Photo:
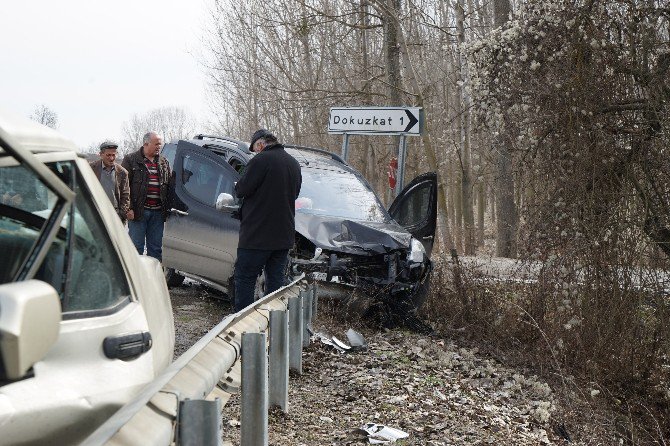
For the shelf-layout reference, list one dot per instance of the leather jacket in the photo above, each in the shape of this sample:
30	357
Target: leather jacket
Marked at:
121	188
138	177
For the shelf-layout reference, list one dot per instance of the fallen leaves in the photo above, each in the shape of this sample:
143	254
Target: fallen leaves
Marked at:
437	392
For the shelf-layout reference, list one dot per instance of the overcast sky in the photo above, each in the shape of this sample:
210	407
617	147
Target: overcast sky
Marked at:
97	63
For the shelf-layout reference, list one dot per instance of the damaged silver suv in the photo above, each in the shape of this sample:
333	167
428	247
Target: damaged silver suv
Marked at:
344	235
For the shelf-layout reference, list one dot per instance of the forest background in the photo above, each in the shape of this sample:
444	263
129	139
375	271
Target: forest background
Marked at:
547	122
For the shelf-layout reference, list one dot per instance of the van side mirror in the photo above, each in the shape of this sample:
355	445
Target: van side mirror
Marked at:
225	202
30	315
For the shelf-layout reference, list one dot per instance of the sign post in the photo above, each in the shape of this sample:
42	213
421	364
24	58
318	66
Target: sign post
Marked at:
345	146
402	153
376	121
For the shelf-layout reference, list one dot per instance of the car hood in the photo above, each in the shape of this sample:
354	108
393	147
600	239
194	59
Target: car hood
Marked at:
352	236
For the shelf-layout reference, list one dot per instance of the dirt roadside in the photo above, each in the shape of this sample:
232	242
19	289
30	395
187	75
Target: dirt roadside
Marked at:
438	392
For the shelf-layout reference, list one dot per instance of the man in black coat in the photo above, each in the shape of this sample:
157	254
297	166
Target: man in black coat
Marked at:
269	187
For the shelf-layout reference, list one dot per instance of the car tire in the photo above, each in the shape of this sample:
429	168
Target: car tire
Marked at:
173	278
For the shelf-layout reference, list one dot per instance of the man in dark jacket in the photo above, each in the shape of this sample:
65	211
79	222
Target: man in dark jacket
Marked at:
269	187
113	177
149	177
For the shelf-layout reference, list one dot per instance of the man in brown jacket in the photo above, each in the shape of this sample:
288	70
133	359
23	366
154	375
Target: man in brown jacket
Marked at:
113	177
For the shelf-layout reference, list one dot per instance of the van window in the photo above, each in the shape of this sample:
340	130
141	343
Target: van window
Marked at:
81	264
169	151
415	208
204	180
25	205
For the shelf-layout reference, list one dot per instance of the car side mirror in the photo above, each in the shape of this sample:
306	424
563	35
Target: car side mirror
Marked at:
30	315
225	202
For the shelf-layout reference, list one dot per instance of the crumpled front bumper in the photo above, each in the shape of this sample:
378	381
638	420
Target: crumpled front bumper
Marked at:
385	275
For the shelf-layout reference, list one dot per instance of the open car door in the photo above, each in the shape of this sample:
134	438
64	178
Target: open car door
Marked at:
199	239
415	208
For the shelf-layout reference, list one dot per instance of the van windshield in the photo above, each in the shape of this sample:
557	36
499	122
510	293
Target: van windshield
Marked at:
337	193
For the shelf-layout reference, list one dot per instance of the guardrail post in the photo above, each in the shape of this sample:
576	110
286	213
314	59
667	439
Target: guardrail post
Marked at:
278	352
306	316
200	422
315	300
254	404
295	334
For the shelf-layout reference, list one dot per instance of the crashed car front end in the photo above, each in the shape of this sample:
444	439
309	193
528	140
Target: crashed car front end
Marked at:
382	260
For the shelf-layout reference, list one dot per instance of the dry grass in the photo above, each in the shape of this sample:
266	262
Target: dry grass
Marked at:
604	342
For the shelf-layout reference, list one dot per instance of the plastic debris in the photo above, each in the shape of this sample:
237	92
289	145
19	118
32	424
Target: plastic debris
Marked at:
333	342
380	434
355	339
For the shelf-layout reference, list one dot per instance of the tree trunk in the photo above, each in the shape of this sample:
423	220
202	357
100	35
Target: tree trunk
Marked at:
481	209
458	207
392	51
427	142
507	215
309	71
465	149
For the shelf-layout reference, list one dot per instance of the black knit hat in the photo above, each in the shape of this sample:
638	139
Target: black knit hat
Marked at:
258	134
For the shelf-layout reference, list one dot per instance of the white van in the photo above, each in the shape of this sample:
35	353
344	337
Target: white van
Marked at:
85	322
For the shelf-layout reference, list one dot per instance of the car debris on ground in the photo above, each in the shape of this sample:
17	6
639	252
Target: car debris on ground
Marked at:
380	434
431	387
356	341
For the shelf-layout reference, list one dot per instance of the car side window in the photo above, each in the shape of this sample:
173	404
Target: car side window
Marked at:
204	179
169	151
236	164
414	209
25	205
82	264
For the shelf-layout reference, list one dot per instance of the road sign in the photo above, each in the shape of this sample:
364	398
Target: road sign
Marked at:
376	120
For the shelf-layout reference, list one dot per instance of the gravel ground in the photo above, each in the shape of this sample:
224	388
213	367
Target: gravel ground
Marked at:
438	392
196	310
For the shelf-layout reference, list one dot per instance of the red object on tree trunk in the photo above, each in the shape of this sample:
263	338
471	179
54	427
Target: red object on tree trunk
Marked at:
392	170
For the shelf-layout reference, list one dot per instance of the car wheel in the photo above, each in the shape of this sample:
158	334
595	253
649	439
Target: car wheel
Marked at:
172	277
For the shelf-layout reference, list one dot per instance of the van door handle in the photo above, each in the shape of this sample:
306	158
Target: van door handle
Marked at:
178	212
127	346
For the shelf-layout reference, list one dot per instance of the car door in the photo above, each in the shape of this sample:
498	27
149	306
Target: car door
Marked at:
415	208
198	239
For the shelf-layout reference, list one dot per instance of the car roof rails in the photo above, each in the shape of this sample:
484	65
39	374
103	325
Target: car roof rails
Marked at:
216	138
319	151
239	144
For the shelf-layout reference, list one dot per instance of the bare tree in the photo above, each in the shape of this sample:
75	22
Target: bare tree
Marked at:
284	64
172	123
465	151
507	214
45	116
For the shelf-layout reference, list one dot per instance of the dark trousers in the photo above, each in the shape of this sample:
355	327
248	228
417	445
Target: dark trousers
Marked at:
150	228
250	264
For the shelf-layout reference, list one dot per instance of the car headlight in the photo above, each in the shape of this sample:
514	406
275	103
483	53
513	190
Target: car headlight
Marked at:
417	251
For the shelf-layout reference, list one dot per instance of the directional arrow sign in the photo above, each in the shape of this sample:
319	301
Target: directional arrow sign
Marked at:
376	120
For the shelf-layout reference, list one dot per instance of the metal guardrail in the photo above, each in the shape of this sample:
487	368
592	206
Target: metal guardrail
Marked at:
212	370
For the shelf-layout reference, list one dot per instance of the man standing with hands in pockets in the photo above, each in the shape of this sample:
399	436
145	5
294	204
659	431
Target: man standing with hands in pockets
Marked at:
113	177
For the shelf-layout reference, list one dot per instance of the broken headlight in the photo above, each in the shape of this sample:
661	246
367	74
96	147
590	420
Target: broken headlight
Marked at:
417	252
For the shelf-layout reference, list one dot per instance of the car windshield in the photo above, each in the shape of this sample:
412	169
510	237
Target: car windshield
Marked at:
337	193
